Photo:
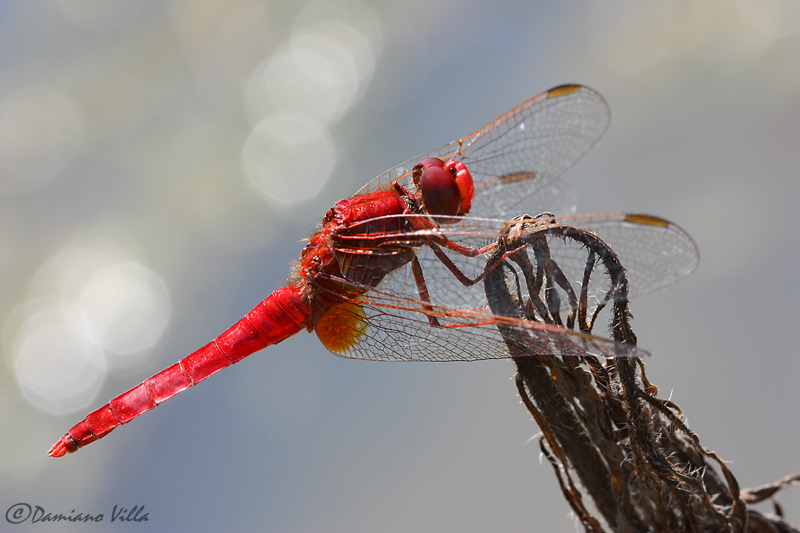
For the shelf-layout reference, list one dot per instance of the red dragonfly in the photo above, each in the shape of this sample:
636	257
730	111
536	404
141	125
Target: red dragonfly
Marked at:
393	272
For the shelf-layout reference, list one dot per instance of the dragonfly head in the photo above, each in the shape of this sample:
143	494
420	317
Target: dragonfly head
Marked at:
446	188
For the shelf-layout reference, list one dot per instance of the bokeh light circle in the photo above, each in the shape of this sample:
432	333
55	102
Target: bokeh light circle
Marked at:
90	309
126	309
289	157
58	367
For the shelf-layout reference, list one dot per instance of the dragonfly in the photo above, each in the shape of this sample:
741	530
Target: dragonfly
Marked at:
393	273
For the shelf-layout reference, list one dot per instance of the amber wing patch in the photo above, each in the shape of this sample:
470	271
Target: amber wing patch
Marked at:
341	326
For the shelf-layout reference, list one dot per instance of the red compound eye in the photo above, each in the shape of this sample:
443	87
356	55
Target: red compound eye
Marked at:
447	188
440	191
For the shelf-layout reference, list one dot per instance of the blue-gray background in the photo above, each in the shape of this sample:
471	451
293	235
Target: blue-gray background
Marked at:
132	142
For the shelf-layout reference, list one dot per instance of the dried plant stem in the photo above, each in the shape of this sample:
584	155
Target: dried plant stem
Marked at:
604	430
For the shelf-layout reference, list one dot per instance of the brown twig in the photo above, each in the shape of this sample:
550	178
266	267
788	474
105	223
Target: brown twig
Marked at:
601	420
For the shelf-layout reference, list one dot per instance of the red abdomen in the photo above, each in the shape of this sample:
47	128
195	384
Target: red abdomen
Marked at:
284	313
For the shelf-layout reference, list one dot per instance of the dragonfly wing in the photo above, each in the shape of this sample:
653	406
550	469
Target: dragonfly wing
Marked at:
394	328
654	252
516	160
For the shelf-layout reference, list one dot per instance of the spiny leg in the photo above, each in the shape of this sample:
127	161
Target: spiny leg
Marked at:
467	282
422	289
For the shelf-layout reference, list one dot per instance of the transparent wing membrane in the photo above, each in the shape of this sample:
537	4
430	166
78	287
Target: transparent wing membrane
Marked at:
516	160
454	323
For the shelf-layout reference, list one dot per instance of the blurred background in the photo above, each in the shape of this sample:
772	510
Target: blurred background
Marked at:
161	162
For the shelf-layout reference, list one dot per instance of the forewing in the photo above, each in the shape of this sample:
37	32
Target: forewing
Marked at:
516	160
654	252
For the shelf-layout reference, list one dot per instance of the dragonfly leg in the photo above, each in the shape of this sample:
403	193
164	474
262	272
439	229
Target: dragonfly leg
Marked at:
467	282
465	250
422	288
423	224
